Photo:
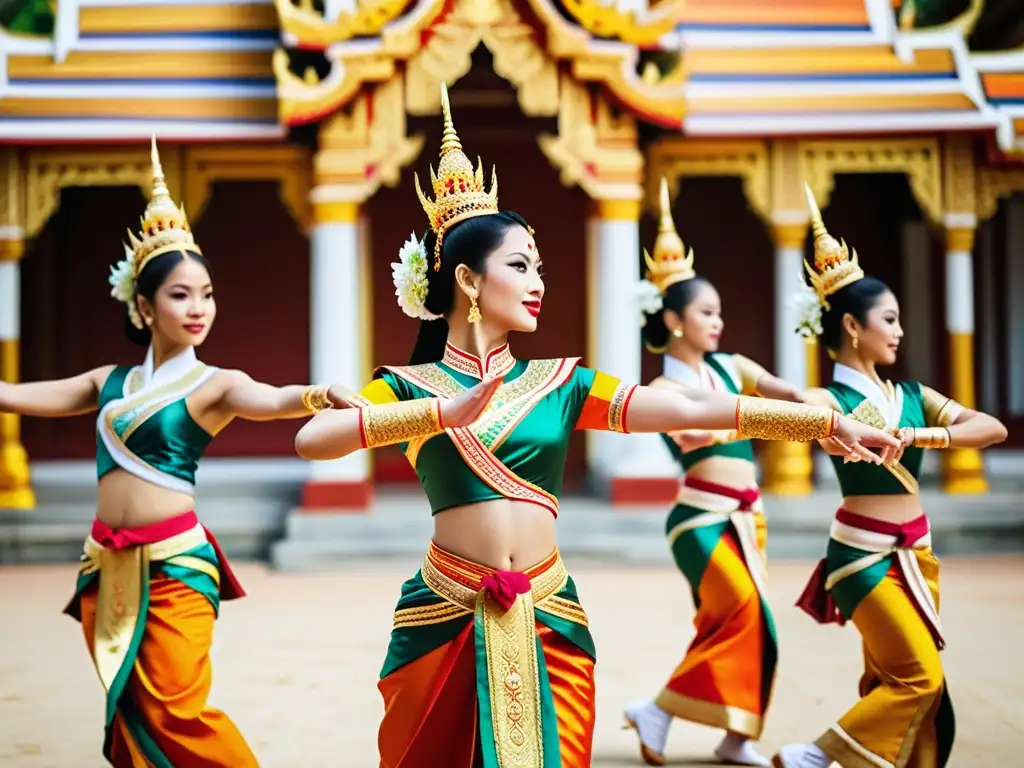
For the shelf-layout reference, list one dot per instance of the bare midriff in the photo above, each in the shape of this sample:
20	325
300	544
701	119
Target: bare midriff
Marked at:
126	501
723	470
503	534
892	508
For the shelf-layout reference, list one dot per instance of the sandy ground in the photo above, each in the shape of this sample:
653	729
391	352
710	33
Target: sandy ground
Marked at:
296	663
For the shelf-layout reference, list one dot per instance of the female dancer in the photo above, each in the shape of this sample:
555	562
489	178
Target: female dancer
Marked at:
717	528
152	576
490	661
879	571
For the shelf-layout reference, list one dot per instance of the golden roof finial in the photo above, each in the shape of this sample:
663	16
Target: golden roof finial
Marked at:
834	267
671	263
459	192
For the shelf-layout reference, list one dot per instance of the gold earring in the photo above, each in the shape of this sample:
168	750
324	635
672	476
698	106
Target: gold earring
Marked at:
474	311
677	333
856	341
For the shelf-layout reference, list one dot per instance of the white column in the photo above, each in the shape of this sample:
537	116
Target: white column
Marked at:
788	468
963	469
624	465
337	343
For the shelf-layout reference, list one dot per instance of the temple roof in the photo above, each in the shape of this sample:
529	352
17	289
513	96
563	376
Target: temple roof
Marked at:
205	69
113	69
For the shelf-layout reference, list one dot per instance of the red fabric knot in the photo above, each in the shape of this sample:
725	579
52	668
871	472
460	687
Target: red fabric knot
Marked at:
503	586
747	498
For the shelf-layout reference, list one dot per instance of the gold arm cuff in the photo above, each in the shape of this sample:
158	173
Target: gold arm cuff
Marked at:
777	420
750	372
931	437
314	398
400	422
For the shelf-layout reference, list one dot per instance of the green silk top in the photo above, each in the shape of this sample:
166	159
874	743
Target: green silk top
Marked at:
518	448
887	406
144	426
719	371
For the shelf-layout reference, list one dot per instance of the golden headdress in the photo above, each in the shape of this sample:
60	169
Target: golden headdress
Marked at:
458	192
834	267
164	226
671	263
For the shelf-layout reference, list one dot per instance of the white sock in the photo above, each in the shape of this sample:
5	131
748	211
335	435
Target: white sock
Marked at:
652	723
804	756
739	750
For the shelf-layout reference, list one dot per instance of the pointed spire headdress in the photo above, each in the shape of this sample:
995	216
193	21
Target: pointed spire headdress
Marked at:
671	263
164	228
834	266
459	192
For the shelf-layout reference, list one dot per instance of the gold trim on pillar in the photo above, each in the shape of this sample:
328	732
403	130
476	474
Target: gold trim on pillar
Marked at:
335	212
617	210
960	239
15	478
963	471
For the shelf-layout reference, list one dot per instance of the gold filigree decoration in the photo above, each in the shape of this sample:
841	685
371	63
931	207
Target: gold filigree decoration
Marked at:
676	157
514	680
776	420
359	152
919	159
49	171
301	25
12	204
595	147
289	165
605	19
993	185
517	57
958	178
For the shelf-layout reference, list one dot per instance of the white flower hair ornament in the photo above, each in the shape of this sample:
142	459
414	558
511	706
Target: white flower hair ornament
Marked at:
410	277
808	310
648	297
122	281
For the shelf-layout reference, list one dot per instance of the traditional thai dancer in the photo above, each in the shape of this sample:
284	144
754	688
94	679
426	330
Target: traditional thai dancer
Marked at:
152	577
879	571
717	529
491	662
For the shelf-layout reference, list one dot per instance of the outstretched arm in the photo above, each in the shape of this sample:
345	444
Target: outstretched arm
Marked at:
63	397
388	421
657	410
245	398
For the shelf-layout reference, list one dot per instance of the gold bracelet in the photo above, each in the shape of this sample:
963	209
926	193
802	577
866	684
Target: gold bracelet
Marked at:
314	398
931	437
778	420
399	422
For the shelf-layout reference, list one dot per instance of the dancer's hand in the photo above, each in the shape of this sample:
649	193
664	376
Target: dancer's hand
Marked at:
857	437
463	410
343	397
692	439
906	437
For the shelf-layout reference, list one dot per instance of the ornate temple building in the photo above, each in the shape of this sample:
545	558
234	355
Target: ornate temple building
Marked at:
291	131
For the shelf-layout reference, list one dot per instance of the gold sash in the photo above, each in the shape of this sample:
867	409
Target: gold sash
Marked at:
123	575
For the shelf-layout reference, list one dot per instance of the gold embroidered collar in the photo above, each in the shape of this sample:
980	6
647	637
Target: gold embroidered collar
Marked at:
497	363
